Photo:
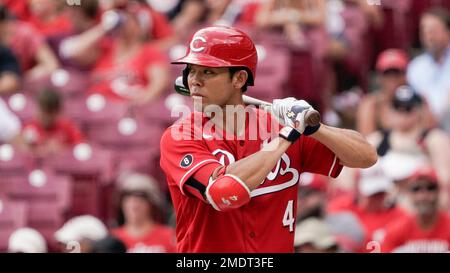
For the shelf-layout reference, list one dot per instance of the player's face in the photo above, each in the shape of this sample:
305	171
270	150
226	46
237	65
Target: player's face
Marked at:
210	86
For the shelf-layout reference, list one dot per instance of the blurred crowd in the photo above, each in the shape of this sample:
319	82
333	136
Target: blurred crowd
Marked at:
86	90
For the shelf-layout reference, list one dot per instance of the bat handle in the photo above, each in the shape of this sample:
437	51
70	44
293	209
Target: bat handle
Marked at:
312	117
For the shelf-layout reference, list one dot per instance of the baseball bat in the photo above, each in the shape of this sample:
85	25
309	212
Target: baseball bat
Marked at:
312	117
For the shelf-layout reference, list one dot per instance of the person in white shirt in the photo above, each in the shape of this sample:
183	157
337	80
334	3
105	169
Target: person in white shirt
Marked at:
9	123
429	72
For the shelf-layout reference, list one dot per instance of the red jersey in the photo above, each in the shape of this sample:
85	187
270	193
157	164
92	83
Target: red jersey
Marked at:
63	130
114	79
374	223
267	222
160	239
405	235
25	43
60	24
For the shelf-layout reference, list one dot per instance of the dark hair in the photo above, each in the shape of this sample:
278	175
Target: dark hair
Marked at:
109	244
49	101
90	8
233	70
441	13
4	14
155	211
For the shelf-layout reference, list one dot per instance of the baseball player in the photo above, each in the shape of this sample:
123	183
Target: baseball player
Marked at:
239	194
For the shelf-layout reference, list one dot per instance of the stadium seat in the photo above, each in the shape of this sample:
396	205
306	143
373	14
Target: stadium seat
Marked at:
22	105
88	173
13	163
93	111
13	215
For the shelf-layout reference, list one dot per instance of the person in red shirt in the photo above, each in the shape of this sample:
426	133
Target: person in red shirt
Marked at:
238	193
48	17
428	229
33	54
140	200
371	206
129	68
49	133
159	29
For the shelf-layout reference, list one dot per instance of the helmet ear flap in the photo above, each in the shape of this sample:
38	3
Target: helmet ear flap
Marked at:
185	77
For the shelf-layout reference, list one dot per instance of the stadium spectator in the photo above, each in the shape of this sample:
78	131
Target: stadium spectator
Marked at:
82	18
311	196
9	124
139	204
9	71
49	133
49	17
79	233
35	57
371	206
314	236
109	244
428	73
156	25
293	17
411	136
26	240
427	230
374	110
129	68
19	8
187	14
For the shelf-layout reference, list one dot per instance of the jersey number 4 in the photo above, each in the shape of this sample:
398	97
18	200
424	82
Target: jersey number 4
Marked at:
288	218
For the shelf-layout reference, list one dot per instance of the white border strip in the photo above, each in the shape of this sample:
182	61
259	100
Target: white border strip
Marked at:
332	166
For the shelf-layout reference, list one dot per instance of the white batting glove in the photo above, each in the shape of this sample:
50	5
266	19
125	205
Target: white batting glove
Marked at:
291	112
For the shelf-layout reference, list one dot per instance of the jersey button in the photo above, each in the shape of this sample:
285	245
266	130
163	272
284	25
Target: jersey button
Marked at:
252	234
241	142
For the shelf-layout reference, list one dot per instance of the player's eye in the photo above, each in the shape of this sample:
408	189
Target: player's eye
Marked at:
208	72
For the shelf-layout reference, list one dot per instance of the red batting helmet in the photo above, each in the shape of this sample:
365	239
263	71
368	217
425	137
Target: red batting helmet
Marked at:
220	46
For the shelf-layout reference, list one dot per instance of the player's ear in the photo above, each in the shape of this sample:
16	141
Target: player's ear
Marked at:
239	79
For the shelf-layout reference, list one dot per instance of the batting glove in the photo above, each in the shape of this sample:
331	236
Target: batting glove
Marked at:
291	112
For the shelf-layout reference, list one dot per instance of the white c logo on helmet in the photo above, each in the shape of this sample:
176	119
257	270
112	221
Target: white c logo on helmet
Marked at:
197	49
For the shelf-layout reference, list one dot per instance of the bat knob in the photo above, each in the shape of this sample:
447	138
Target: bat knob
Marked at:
312	117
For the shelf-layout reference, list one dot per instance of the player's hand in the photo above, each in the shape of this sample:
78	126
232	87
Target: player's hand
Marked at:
292	112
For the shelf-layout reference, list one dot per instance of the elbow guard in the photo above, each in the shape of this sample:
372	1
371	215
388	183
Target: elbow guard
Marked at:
227	192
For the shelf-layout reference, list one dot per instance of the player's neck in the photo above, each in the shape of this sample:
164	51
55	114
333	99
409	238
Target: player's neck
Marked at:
232	117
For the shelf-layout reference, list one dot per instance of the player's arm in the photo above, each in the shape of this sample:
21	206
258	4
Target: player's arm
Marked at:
349	146
253	169
229	187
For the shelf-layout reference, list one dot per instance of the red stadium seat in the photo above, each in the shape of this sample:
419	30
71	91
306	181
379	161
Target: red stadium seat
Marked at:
13	163
88	175
22	105
94	111
13	215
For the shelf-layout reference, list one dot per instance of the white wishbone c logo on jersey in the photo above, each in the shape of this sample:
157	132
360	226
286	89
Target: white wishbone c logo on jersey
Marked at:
280	170
196	44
